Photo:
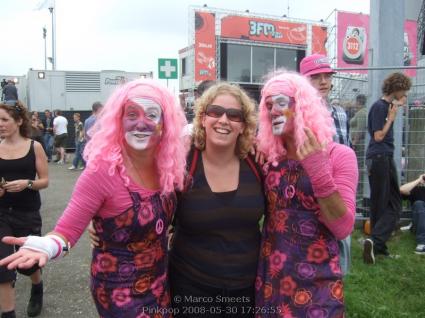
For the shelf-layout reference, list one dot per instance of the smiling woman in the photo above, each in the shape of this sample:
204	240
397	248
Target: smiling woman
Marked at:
214	251
136	160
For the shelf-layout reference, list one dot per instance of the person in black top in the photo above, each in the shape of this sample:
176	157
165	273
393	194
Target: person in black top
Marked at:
385	200
414	191
215	246
21	161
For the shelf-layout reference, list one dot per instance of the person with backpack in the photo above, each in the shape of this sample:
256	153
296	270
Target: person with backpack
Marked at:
310	185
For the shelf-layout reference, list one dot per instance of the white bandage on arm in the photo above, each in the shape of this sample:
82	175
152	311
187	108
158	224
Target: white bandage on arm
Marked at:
51	245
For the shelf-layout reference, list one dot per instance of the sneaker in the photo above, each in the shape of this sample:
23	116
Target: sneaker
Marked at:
36	300
60	162
81	168
72	168
368	255
420	249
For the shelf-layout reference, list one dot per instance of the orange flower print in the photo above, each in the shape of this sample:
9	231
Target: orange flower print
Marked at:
121	296
105	263
145	259
124	219
337	290
102	297
271	198
268	291
302	297
138	247
266	249
279	218
277	259
317	252
287	286
142	284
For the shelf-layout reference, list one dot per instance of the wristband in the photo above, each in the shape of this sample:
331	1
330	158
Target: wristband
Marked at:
51	245
318	168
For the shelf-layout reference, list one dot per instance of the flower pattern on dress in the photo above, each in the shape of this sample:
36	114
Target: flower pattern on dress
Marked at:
298	269
317	252
129	270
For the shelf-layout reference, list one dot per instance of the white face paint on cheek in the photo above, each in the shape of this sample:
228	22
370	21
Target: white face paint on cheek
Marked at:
280	105
142	128
278	125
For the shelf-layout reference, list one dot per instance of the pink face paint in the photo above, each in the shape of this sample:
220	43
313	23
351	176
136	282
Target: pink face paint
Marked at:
142	122
279	109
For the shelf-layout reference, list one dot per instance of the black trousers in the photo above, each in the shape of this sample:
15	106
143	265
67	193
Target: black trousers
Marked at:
192	299
385	200
17	223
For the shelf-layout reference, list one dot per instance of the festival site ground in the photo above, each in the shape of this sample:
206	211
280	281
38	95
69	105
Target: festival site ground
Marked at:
391	288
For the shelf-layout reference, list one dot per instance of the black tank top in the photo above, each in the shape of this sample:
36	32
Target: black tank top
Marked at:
21	168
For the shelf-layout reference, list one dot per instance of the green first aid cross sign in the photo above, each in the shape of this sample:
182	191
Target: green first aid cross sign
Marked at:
167	68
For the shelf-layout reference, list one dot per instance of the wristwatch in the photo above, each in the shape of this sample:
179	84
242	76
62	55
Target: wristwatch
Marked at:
30	184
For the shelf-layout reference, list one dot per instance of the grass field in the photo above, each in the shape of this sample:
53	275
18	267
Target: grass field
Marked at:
391	287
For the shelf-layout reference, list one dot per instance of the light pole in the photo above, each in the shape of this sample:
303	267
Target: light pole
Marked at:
45	47
52	12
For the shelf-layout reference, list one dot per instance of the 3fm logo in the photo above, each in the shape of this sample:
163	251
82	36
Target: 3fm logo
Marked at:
268	29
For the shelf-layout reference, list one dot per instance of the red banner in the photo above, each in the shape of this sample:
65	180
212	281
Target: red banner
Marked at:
264	30
205	47
320	36
352	37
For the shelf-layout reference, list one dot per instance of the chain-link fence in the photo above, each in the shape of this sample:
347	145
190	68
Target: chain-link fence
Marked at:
351	91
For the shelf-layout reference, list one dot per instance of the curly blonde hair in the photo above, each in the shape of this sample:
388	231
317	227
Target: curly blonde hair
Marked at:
246	139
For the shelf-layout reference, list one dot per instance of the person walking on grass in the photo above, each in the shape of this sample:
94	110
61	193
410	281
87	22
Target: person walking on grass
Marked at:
385	199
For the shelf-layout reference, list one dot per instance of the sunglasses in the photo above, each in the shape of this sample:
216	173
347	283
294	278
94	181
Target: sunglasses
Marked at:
232	114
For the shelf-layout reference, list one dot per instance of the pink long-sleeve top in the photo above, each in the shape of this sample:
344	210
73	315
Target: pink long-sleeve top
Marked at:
96	194
345	175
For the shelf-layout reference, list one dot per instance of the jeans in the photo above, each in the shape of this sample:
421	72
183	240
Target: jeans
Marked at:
385	200
345	254
418	220
48	144
79	148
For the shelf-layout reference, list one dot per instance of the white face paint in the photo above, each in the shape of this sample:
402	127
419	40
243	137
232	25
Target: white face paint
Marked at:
278	106
142	122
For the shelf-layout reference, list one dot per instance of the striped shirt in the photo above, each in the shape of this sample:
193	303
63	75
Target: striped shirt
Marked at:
217	237
341	125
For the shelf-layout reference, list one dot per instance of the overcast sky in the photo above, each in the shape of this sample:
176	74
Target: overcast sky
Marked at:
129	35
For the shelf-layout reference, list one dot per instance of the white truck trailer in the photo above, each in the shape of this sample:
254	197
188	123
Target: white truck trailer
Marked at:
73	90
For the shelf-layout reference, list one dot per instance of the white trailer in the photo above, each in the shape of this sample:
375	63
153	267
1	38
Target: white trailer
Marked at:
73	90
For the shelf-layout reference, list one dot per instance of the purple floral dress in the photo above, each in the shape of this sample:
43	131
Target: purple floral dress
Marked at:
299	273
129	269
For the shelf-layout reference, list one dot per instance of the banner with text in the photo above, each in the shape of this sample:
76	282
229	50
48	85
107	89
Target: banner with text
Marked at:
352	41
205	47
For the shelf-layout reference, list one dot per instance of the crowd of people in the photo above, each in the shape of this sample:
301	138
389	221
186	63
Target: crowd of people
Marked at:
201	217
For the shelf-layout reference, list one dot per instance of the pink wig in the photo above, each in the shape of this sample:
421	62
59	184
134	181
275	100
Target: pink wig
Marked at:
309	111
107	142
